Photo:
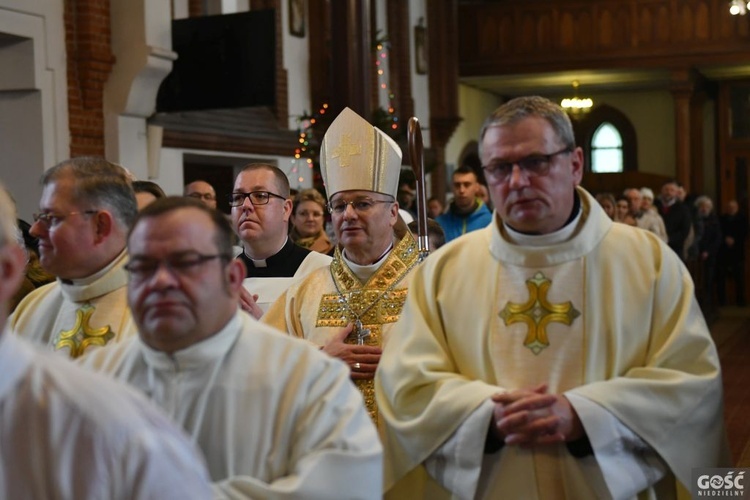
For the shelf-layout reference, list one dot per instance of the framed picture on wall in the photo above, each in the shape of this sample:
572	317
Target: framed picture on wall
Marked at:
297	18
420	48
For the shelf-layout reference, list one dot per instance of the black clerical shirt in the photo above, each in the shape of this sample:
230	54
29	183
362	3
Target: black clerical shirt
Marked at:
280	265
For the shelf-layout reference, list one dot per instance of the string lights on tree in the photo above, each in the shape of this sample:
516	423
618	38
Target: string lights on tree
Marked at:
304	154
386	119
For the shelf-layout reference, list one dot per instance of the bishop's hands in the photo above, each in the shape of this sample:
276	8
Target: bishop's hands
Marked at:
532	416
362	359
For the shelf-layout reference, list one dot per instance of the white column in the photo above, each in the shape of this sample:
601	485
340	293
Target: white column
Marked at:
142	44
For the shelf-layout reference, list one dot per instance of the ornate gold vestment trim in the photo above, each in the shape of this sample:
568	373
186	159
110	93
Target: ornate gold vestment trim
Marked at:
380	294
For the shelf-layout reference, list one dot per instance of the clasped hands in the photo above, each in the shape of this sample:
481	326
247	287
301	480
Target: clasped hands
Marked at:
527	417
362	359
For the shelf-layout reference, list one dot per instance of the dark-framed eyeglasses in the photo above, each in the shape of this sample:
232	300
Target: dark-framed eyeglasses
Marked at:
50	219
256	198
180	265
360	205
532	166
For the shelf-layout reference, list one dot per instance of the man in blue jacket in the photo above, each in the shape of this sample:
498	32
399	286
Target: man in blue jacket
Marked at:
466	212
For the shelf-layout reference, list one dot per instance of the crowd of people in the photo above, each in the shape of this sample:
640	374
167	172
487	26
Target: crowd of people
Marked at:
191	354
711	245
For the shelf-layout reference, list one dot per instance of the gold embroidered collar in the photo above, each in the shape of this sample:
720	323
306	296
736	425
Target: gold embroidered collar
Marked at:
403	257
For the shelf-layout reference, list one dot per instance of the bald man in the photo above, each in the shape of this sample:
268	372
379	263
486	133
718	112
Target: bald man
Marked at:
202	191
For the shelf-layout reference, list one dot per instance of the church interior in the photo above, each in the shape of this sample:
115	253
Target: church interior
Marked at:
179	90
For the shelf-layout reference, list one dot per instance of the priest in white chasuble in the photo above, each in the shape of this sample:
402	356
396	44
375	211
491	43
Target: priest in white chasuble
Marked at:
86	208
554	354
274	417
69	434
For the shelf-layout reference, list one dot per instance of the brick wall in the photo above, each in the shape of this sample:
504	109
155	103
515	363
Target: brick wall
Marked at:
90	60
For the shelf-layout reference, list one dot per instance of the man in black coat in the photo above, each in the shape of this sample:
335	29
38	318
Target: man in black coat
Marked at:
677	217
732	252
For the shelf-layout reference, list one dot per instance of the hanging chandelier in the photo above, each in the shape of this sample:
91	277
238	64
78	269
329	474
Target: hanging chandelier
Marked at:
575	104
738	7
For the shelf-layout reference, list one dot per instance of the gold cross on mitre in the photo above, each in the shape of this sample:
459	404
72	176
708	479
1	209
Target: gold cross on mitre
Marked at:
537	313
345	150
82	335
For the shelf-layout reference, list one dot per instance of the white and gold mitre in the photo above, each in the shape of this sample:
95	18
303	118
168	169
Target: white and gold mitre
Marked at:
357	156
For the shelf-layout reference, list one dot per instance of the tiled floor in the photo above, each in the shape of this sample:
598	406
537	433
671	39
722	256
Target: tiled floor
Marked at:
731	333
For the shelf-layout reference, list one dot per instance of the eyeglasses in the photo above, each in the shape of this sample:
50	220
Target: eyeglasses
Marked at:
532	166
256	198
203	196
49	219
360	205
182	264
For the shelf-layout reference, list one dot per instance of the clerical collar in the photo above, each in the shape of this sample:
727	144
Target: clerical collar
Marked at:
540	240
97	275
262	262
364	272
208	350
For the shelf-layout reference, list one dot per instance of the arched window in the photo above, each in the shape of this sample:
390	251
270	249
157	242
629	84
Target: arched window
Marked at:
606	149
608	140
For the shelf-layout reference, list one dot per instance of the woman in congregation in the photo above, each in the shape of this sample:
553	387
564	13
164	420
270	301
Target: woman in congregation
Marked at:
308	221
